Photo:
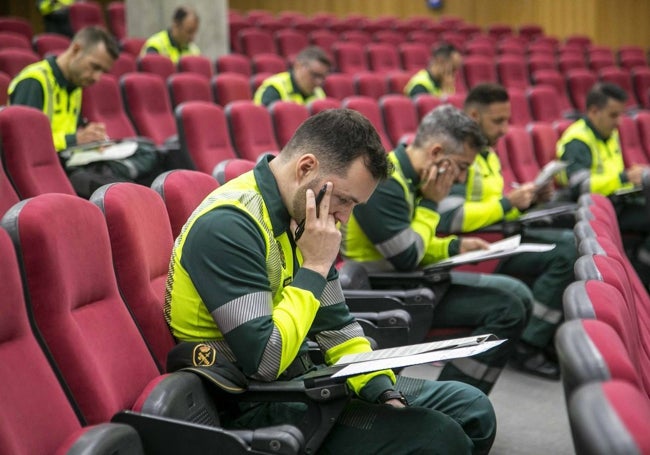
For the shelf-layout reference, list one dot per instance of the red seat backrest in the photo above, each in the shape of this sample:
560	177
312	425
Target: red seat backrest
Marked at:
400	118
185	87
287	117
251	129
102	102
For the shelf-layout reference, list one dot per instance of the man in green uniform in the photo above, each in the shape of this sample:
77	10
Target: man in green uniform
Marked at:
439	78
178	39
302	84
241	281
482	201
591	147
396	230
56	17
54	86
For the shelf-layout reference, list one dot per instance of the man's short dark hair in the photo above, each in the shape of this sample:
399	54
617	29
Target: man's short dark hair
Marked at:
482	95
602	92
312	53
337	137
448	124
181	13
444	50
90	37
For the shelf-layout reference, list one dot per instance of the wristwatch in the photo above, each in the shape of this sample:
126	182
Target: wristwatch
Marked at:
389	394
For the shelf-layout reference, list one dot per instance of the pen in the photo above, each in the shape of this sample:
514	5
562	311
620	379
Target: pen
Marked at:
301	226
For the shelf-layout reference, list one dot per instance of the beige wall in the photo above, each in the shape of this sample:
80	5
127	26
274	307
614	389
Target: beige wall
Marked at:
606	22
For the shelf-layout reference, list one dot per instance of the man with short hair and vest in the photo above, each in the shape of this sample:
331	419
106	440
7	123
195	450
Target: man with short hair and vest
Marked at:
244	281
439	78
56	16
177	40
54	85
483	200
301	84
396	231
591	147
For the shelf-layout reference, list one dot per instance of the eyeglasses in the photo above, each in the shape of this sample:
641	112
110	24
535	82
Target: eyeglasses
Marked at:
315	74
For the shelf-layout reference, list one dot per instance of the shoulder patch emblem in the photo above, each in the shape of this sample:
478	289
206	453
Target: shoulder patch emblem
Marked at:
203	355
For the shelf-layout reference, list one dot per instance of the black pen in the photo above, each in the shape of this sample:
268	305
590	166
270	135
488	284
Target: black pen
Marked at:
301	226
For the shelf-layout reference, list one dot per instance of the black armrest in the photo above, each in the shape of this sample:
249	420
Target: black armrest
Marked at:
388	328
107	439
165	436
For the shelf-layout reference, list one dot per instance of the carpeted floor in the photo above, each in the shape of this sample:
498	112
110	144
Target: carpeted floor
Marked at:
531	413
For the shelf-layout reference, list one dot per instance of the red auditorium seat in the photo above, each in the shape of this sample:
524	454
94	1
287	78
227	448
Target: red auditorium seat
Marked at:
306	25
198	64
324	39
157	64
397	81
509	177
188	87
512	72
5	80
642	120
353	21
116	18
499	30
511	46
544	140
289	18
323	18
148	106
132	45
102	102
415	56
234	63
469	31
571	61
12	61
478	69
173	187
141	243
233	168
8	195
251	130
235	25
481	48
50	43
257	79
555	79
339	85
256	15
543	45
641	83
289	42
319	105
582	41
425	37
561	125
387	36
382	58
369	107
11	40
370	84
521	155
520	114
228	87
18	25
381	23
530	31
30	160
203	134
400	118
349	57
631	147
455	99
631	56
356	36
579	82
84	14
425	103
268	63
609	418
543	102
538	62
287	117
620	77
270	25
26	428
253	41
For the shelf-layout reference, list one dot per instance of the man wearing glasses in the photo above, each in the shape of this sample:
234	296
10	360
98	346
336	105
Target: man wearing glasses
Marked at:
301	84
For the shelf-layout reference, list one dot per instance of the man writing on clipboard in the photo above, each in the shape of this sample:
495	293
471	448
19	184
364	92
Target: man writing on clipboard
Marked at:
482	200
54	85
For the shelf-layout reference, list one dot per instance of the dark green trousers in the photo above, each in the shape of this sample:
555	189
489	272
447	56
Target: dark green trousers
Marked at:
550	273
485	303
444	418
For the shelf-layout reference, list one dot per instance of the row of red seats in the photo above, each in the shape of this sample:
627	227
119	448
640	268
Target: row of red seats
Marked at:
603	345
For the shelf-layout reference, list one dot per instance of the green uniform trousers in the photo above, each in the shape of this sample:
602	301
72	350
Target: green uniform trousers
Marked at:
443	418
485	303
550	272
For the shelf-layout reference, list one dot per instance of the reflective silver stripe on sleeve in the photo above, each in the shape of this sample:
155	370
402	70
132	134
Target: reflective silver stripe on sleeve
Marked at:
400	243
581	179
477	370
242	310
332	294
269	367
449	204
328	339
546	314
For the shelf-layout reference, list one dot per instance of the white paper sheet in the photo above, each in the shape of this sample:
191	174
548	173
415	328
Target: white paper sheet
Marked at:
118	151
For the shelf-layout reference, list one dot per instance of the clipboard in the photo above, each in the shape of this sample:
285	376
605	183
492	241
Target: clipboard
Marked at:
100	151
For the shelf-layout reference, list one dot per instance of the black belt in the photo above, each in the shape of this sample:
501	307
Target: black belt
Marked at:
300	365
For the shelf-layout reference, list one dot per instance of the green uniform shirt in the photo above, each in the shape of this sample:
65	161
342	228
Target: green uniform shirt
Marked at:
283	86
236	282
42	85
596	164
422	82
396	228
478	202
